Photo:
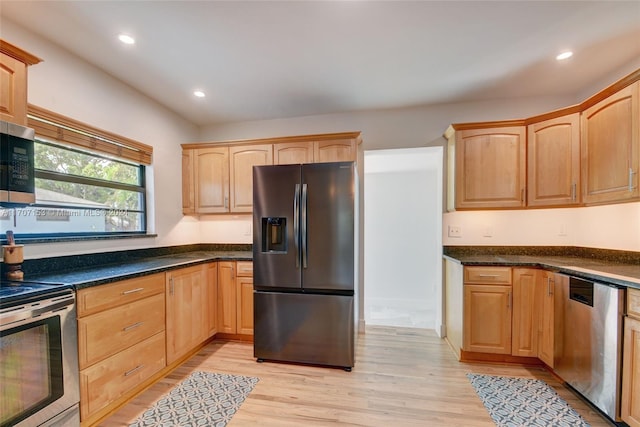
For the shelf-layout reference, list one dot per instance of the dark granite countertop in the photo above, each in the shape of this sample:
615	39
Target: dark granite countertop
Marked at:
112	272
608	271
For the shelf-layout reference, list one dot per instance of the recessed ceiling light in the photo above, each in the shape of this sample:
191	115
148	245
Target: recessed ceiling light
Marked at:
126	39
199	93
564	55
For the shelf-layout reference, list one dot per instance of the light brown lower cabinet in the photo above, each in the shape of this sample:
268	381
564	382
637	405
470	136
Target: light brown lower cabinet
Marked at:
630	407
235	298
187	307
546	308
107	381
121	341
244	295
525	317
487	319
500	311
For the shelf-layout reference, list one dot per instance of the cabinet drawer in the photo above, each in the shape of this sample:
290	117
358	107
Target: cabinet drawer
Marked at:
633	302
108	380
245	268
103	334
488	275
98	298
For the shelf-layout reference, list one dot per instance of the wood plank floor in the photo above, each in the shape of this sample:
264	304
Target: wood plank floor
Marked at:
402	377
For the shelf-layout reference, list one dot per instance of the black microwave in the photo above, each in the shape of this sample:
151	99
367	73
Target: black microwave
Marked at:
17	168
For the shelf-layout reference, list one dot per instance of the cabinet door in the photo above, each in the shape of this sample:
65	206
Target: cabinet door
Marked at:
212	180
188	184
227	297
610	146
13	86
212	298
244	305
546	337
187	321
338	150
291	153
524	338
554	162
490	168
487	319
243	158
630	407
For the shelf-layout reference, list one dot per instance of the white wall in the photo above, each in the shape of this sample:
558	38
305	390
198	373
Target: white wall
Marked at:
74	88
403	247
606	227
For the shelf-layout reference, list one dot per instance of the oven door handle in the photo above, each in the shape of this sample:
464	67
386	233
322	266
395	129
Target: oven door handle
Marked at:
43	310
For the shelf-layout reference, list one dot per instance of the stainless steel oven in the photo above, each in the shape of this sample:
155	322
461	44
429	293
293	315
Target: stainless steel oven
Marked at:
38	356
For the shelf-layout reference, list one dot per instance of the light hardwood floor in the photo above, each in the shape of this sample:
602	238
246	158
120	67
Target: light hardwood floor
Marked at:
402	377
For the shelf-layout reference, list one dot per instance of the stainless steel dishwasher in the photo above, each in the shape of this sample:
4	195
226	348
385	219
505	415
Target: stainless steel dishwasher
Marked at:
588	357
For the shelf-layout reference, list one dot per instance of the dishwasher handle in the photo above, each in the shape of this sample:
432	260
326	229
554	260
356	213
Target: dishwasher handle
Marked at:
581	291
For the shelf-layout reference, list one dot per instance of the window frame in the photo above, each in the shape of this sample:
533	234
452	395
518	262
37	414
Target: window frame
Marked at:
68	134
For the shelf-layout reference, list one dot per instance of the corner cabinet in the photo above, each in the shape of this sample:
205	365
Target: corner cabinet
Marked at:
490	167
525	317
611	147
217	178
554	162
13	82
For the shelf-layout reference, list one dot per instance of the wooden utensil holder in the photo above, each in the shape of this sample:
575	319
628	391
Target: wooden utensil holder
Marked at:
13	256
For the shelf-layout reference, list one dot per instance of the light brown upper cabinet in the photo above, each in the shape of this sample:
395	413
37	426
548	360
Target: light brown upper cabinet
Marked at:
13	82
291	153
217	177
211	180
585	154
554	162
490	166
337	150
242	160
188	183
610	147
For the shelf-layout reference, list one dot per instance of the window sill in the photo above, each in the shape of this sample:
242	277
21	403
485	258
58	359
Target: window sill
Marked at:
65	239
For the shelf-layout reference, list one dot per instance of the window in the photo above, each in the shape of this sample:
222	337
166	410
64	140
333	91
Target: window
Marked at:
88	182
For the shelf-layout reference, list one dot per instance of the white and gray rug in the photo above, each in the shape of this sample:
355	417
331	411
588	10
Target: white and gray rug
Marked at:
202	399
519	402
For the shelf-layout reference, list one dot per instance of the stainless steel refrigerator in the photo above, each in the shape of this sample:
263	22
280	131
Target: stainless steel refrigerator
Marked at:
304	225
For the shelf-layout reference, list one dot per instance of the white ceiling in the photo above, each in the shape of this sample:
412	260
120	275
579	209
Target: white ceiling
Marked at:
275	59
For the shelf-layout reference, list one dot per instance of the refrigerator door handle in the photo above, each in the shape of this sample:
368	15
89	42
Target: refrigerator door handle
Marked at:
296	223
304	226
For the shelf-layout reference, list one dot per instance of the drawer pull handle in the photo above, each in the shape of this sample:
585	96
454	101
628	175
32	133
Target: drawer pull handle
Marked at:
132	291
130	327
137	368
489	275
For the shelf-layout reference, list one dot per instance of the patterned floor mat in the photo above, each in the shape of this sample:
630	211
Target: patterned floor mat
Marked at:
524	402
203	399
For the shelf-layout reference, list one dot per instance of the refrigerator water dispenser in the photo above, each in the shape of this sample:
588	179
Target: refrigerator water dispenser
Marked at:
274	234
